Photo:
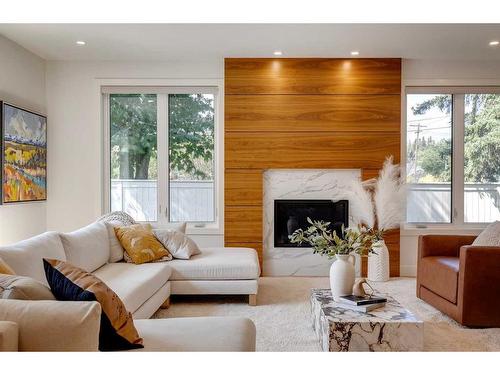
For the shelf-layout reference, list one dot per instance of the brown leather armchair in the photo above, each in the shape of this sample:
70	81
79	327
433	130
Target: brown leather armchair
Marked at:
461	280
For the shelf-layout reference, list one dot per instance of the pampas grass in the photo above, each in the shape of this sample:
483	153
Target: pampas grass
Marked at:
360	200
389	196
381	198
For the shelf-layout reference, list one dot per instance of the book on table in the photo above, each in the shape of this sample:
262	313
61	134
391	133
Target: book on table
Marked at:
361	308
361	301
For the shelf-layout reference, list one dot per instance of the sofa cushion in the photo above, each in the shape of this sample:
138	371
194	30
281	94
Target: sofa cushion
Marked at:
23	287
70	283
230	263
25	257
115	247
54	325
134	283
177	243
9	337
208	334
87	247
440	275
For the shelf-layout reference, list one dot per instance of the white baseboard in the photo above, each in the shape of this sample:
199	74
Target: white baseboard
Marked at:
409	271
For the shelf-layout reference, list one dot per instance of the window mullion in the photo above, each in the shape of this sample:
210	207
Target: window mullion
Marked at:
106	175
162	157
458	159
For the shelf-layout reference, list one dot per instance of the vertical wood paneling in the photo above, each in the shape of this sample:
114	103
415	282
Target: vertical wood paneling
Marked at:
304	113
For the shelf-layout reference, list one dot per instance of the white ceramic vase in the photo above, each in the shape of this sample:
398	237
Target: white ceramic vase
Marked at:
342	275
378	263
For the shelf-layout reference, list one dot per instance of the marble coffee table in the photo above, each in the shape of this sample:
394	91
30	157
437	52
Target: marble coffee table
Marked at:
390	328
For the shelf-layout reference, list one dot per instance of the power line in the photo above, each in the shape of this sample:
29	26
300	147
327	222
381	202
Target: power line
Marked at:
428	118
426	130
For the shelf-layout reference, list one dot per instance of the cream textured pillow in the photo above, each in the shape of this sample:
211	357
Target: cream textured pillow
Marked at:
490	236
179	245
22	287
5	268
140	244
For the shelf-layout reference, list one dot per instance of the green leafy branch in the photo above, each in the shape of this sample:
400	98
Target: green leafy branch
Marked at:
327	242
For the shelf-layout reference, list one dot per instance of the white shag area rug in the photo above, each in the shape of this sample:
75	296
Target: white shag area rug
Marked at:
283	320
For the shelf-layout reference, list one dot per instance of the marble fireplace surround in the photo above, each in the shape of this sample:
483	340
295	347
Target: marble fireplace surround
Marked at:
302	184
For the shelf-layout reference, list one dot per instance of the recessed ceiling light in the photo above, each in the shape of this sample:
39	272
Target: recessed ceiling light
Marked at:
494	43
354	53
277	53
80	42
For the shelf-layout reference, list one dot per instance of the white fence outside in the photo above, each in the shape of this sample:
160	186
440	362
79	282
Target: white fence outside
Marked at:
430	203
189	200
194	201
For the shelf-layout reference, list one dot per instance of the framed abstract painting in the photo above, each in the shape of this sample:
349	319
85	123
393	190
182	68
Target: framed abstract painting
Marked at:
24	155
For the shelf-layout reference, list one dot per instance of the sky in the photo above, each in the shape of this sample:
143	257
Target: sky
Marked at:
24	124
433	123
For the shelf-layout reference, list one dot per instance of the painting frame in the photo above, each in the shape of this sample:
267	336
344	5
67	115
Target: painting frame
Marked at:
5	162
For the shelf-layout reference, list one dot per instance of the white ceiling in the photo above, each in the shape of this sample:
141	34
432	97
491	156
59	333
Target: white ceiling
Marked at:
190	42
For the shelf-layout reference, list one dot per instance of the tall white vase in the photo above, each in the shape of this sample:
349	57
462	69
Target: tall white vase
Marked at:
378	263
342	275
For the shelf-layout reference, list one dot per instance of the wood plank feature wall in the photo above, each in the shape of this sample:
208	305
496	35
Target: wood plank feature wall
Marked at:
304	113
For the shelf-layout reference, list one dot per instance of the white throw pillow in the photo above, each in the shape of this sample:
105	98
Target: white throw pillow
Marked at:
180	227
490	236
87	247
177	243
115	247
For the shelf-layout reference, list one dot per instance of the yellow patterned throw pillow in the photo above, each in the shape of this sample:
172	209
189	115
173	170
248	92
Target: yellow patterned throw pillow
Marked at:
140	244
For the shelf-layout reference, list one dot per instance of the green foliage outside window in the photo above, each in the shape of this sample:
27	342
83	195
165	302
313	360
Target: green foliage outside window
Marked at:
482	141
134	136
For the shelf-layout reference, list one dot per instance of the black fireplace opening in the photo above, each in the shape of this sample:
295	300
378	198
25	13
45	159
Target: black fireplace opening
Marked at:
292	214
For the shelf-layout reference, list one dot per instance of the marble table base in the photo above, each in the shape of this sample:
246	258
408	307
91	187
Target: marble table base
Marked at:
391	328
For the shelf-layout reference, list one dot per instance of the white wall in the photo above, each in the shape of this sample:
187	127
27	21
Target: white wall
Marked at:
75	155
22	82
446	73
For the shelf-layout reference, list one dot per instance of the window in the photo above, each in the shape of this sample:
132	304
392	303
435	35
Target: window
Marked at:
453	155
429	158
133	147
161	157
190	145
482	158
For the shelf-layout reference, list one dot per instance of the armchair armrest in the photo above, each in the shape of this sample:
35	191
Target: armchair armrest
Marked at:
54	325
9	336
442	245
479	285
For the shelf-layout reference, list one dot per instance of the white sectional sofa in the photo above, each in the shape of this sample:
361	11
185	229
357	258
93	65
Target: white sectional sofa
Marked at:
143	288
146	287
